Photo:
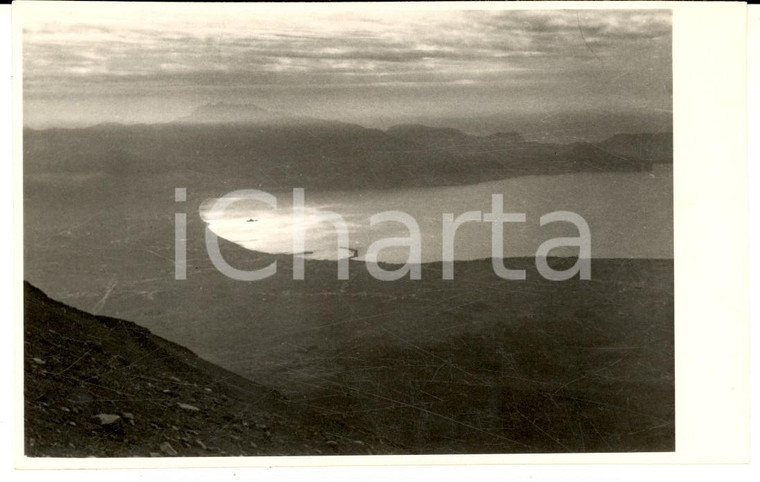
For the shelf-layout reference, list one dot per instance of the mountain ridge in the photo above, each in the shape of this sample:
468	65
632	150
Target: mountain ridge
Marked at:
231	113
280	151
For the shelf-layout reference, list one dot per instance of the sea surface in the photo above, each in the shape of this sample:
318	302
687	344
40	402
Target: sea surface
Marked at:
630	215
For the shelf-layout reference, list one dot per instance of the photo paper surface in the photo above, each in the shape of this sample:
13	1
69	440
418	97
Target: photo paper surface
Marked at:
342	232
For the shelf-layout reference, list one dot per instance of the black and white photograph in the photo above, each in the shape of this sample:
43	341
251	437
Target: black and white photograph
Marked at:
326	230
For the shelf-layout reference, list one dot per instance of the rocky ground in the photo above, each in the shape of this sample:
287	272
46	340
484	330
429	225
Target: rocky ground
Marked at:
97	386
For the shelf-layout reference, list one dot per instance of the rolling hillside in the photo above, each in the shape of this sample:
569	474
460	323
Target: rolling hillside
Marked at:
97	386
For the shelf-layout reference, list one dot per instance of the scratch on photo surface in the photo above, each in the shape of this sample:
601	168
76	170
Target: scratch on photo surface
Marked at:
109	289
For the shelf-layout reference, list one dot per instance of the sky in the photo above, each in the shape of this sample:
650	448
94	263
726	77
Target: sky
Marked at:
479	70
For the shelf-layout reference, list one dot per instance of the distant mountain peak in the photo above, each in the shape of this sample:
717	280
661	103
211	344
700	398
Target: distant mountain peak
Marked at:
228	113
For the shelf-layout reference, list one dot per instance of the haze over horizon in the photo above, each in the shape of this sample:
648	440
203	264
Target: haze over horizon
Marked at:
559	74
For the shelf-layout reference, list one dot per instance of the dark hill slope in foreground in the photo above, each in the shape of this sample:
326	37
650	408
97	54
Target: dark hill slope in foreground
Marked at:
471	365
97	386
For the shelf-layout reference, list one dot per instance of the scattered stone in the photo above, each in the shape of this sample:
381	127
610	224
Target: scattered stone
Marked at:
73	423
331	443
107	419
128	416
207	389
190	408
65	409
201	444
81	397
167	448
155	454
38	361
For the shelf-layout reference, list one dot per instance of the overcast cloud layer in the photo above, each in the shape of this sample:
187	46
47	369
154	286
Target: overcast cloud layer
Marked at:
89	65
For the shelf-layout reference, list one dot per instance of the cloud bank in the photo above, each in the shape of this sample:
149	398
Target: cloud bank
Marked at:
563	58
